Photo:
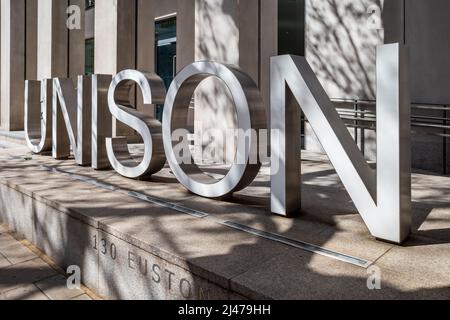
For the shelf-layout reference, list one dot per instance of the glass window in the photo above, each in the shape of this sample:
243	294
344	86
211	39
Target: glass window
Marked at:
166	53
166	49
89	3
89	56
291	27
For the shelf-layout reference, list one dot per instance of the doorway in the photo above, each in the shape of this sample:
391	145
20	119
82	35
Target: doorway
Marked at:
166	54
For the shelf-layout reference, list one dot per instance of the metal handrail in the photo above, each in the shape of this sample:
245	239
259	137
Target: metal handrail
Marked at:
358	117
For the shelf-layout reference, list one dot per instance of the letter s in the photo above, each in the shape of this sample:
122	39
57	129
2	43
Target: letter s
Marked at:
153	92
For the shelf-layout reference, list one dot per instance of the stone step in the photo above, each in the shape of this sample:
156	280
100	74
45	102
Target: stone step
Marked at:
17	137
131	248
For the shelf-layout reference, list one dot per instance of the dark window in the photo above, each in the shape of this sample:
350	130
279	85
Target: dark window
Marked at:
291	27
89	56
291	33
90	4
166	53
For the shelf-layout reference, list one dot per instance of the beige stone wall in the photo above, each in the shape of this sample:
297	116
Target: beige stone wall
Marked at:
12	63
89	32
427	34
31	39
217	39
52	39
115	36
77	43
115	42
148	13
227	31
341	42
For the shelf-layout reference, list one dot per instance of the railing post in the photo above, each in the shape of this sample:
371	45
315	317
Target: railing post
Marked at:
355	109
445	152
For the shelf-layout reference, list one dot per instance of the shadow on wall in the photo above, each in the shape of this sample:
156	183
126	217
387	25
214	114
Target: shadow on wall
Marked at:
217	39
341	40
217	31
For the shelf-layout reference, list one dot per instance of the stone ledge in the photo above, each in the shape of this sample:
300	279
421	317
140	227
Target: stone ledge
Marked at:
66	254
13	136
52	234
132	249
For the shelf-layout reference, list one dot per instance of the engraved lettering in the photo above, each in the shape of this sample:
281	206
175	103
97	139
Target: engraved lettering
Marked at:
113	251
157	271
185	288
104	249
131	260
143	266
170	274
203	294
95	243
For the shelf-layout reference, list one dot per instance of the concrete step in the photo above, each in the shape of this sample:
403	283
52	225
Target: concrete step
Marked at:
153	240
16	137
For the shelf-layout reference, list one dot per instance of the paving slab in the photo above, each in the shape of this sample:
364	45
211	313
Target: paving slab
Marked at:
310	277
13	251
24	273
424	263
31	280
317	277
432	223
256	216
26	292
83	297
55	288
4	262
357	244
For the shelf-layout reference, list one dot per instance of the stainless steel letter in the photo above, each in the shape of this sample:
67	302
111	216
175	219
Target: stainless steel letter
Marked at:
75	113
38	115
250	116
383	198
101	121
153	92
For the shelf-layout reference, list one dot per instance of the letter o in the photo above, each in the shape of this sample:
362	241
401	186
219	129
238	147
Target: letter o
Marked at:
250	116
185	284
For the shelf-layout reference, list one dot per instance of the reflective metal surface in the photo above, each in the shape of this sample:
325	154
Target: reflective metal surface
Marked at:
72	119
84	121
383	198
101	121
250	116
38	115
120	106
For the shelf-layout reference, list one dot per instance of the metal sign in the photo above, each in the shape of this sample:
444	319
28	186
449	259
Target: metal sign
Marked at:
382	196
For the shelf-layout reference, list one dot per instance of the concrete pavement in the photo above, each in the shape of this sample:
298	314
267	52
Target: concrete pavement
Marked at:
25	274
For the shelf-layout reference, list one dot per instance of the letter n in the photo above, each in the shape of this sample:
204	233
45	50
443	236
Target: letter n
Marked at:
72	119
383	198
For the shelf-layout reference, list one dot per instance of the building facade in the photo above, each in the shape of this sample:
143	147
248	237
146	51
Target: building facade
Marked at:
64	38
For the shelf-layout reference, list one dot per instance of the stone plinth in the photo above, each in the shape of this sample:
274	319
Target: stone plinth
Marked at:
129	248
